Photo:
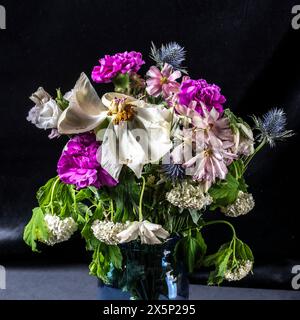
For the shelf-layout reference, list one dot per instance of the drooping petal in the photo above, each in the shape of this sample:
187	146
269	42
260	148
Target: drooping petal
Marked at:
85	111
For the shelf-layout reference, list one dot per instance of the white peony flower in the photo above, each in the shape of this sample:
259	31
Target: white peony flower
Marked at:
138	133
242	205
187	196
107	231
148	232
59	229
240	272
45	113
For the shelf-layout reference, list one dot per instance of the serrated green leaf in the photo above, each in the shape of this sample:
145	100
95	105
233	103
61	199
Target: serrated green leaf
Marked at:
36	229
191	250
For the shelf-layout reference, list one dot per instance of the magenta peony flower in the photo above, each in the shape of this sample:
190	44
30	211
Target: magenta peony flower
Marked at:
111	66
200	91
78	164
162	81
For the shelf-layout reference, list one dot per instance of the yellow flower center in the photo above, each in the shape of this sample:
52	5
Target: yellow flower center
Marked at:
164	80
121	111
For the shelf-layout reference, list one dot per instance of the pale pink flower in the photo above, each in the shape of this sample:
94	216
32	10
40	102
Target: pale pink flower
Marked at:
162	82
213	126
210	163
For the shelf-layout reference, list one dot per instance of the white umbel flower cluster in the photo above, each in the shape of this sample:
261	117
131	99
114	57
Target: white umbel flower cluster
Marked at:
107	231
187	196
239	273
59	229
243	204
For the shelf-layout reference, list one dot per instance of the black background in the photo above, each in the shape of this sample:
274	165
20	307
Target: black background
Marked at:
247	47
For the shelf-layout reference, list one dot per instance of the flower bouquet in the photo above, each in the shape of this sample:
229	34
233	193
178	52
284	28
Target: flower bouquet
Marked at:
142	170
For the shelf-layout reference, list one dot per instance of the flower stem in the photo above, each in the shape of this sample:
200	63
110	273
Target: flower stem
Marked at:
52	194
141	200
259	147
111	209
234	238
221	221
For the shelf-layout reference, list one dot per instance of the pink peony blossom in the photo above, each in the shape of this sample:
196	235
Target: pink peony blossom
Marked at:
111	66
201	92
78	164
162	81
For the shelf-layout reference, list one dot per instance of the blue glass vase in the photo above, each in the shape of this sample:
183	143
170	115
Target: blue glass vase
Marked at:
150	272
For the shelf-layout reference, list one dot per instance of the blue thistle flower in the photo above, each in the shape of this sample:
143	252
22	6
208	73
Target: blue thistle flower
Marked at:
171	53
173	171
272	126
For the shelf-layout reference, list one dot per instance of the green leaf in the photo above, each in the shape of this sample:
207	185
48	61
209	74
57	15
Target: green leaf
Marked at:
84	194
100	265
191	250
195	214
103	258
242	251
115	256
44	193
221	261
36	229
225	192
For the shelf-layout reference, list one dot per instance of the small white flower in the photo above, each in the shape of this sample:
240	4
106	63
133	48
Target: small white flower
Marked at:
240	272
45	113
59	229
107	231
148	232
243	204
187	196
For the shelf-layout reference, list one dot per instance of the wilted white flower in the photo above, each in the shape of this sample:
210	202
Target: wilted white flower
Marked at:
242	205
107	231
243	140
45	113
59	229
149	233
240	272
187	196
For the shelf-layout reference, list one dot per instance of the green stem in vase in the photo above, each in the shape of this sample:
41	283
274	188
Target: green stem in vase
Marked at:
141	200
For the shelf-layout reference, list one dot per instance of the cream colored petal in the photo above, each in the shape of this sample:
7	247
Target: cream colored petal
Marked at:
154	122
129	234
147	236
85	111
108	154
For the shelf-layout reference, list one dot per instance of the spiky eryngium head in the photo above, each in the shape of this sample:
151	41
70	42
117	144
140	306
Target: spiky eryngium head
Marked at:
171	53
272	126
